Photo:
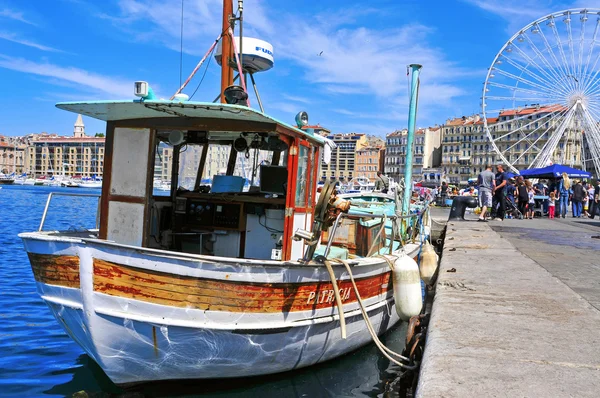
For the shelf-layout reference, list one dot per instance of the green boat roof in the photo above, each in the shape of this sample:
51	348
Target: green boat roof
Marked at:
137	109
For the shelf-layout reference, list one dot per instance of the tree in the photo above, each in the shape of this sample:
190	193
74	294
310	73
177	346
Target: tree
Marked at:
99	135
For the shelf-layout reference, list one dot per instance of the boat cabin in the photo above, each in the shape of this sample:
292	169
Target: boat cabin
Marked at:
252	206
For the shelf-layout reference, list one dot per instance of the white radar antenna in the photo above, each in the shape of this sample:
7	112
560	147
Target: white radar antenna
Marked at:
541	96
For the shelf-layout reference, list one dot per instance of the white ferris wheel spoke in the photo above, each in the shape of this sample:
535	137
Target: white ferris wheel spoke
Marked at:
584	77
555	116
561	70
547	150
560	49
570	42
581	40
593	139
526	90
521	79
533	121
558	77
551	85
552	78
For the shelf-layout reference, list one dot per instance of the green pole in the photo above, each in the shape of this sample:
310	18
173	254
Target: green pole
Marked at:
412	119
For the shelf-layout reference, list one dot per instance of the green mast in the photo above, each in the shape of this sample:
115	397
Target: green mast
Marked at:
412	118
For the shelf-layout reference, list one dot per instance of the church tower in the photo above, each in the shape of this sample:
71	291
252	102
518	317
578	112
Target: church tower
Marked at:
79	130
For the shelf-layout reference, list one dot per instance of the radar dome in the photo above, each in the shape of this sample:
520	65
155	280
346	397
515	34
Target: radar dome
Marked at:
257	55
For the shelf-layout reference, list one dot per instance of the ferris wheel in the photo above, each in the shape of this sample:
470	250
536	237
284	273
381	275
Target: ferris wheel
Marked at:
541	96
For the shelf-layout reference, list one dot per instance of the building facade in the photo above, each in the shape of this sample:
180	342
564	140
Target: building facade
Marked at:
520	134
76	156
342	165
12	156
426	153
368	161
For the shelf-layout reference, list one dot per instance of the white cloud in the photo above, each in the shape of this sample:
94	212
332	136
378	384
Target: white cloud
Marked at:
519	13
202	22
13	37
297	99
354	60
366	61
15	15
89	81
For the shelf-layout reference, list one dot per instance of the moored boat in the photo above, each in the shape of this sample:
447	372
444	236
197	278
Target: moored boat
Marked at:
6	179
224	283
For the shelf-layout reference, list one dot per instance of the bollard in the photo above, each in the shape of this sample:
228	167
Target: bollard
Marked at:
459	205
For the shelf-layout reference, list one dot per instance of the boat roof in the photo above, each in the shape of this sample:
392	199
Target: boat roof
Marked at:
137	109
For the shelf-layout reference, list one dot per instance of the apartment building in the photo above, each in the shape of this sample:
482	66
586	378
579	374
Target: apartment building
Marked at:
519	133
426	153
79	155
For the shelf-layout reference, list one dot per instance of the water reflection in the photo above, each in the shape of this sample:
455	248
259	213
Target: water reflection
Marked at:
362	373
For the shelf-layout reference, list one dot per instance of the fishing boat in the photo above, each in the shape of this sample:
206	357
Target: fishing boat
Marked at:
225	283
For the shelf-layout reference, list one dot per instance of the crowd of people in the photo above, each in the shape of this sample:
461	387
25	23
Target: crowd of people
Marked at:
498	192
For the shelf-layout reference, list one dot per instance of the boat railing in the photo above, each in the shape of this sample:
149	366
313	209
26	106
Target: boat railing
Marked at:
412	216
52	194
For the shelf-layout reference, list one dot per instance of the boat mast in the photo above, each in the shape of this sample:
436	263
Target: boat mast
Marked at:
412	118
226	49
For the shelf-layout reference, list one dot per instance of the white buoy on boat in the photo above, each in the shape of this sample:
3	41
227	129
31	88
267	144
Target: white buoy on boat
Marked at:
407	288
429	262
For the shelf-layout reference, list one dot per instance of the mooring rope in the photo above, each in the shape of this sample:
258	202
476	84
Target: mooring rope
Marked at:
384	350
338	298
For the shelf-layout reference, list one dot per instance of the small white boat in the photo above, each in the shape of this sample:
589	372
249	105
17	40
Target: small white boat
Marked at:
95	184
69	184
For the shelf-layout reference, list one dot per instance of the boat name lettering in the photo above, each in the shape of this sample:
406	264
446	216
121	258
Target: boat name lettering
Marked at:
327	296
265	50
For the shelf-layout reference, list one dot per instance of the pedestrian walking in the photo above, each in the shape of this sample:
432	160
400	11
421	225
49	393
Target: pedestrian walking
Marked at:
564	190
577	198
551	204
586	200
522	197
487	184
530	199
499	192
594	206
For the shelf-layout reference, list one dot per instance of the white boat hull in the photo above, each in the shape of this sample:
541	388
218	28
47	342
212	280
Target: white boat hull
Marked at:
148	315
93	185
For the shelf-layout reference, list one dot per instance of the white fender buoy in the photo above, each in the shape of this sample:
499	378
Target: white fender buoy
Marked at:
429	262
407	288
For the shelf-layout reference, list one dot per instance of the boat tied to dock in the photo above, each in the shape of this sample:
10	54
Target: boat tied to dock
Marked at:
225	283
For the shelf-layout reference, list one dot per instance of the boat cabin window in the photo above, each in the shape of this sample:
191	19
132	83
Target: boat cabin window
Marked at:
221	194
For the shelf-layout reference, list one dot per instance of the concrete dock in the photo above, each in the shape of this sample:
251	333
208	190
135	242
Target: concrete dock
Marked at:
516	311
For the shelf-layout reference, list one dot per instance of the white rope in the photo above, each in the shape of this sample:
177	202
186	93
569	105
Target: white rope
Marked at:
384	350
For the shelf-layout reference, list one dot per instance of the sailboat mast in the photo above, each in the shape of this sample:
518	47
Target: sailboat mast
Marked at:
412	118
226	49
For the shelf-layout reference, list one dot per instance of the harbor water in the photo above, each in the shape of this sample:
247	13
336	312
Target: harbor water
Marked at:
38	359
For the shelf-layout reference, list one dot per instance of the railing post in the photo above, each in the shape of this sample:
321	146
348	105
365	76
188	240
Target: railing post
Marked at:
98	214
45	212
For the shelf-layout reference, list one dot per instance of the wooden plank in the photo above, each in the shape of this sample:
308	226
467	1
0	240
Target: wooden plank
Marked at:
127	199
56	270
200	293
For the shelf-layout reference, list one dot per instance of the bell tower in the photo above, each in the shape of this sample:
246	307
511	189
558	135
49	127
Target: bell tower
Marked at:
79	128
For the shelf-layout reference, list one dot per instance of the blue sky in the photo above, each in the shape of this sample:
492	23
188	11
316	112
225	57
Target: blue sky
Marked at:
69	50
